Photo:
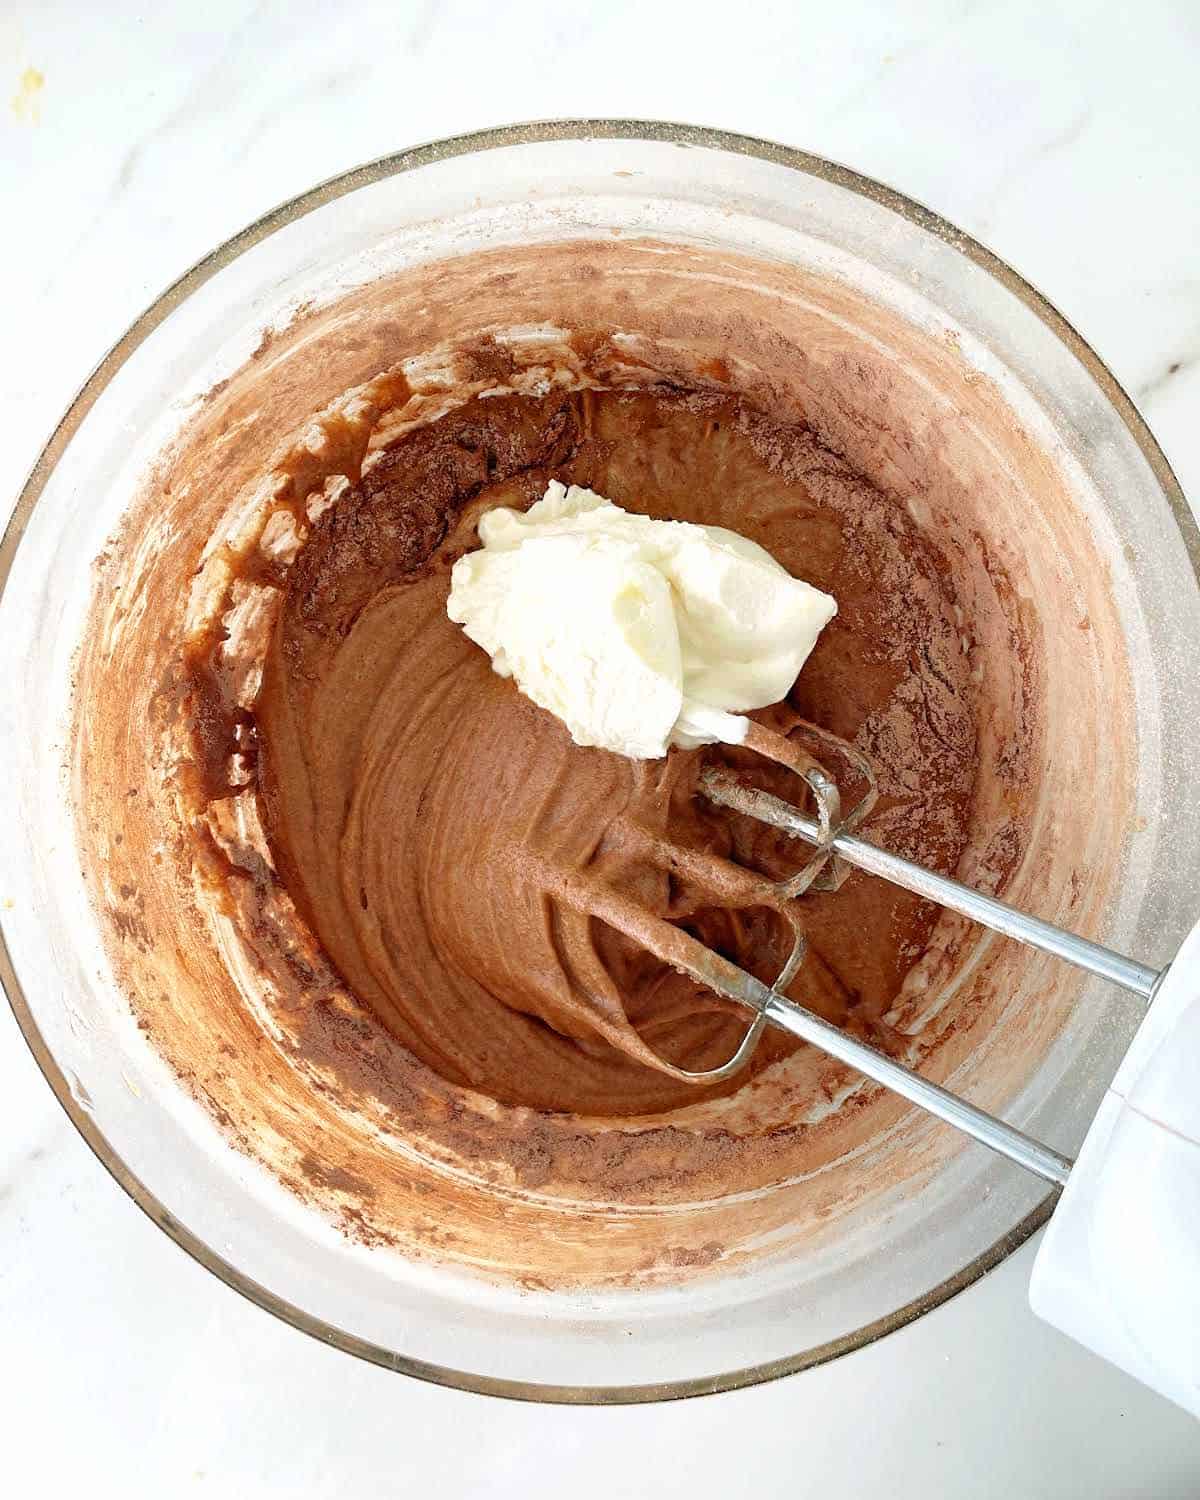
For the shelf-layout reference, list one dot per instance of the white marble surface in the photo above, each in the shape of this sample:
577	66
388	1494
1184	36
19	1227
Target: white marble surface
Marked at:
1068	138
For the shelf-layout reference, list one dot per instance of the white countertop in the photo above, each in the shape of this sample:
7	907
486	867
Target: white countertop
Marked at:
1071	147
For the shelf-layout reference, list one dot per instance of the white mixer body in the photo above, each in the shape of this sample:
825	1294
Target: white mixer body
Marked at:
1119	1267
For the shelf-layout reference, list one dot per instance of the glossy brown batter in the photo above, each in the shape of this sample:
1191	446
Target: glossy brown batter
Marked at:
450	846
335	857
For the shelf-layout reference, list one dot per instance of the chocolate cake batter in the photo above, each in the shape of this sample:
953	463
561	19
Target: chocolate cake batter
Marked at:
349	878
426	817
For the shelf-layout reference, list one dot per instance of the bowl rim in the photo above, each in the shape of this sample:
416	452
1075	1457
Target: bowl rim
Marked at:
163	305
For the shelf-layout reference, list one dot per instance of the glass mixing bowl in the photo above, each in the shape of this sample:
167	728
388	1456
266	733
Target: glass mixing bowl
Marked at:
590	179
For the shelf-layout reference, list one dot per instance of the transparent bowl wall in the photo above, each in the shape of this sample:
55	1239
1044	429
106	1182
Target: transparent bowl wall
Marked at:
556	181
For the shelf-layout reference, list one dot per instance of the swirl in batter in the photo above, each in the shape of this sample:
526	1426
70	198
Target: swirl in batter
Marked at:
444	838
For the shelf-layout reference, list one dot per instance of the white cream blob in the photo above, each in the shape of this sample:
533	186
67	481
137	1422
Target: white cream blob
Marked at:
637	634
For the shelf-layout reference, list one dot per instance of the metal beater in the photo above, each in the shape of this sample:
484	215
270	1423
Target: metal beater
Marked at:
837	848
1118	1267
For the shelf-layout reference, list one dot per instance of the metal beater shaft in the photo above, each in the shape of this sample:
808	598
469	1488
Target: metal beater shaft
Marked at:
728	791
721	974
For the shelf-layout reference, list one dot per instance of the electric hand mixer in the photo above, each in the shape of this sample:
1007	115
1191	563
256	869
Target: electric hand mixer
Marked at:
1119	1267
